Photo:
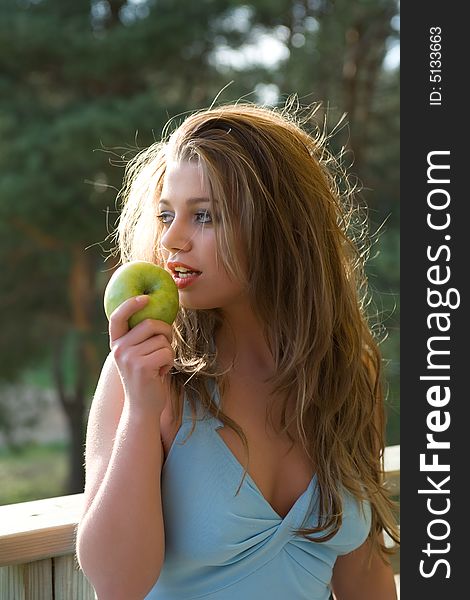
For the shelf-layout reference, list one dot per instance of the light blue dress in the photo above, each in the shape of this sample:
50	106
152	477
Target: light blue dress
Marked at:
222	546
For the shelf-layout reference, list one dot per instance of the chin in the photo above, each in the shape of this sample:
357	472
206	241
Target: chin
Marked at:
192	302
197	306
211	298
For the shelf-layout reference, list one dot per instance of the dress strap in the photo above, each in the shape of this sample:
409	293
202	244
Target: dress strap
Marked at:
187	412
213	389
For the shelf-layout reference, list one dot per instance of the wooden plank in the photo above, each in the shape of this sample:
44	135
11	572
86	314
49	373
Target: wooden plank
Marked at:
38	580
35	581
69	581
392	458
31	531
392	468
397	585
12	582
32	581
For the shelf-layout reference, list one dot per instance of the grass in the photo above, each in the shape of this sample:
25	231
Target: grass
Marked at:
33	472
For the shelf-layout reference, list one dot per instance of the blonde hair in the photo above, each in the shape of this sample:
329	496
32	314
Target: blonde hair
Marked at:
278	189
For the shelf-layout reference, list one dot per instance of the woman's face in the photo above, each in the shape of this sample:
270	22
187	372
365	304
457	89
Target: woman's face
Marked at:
189	242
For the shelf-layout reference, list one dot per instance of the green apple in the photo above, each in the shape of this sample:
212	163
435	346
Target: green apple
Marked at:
141	277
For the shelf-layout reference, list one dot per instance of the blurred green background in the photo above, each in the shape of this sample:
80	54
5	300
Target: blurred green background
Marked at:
83	86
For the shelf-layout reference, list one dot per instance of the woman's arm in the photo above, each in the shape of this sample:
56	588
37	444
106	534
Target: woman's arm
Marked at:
120	538
355	579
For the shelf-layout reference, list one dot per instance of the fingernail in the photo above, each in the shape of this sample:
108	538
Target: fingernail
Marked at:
141	299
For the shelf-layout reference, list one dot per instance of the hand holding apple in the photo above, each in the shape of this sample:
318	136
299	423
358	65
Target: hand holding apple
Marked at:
137	278
141	302
143	357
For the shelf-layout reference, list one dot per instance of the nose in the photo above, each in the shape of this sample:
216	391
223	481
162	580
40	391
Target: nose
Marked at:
177	237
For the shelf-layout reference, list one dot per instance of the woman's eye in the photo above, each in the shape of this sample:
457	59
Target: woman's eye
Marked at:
165	217
204	216
200	217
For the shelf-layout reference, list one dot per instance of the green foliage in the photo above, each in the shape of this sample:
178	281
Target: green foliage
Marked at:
84	85
22	473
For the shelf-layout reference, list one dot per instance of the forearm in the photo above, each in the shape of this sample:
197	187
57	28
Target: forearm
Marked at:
120	543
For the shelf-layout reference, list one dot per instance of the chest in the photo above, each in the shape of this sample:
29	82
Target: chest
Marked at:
278	465
217	535
280	468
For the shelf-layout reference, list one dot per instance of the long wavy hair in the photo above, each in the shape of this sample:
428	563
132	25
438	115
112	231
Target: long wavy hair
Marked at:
284	195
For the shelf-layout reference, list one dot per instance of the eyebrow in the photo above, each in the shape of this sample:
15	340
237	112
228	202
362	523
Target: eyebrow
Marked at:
189	201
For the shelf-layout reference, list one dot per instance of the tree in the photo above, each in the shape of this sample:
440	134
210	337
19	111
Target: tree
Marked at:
83	86
74	81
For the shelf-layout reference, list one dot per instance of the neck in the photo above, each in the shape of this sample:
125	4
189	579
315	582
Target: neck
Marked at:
241	344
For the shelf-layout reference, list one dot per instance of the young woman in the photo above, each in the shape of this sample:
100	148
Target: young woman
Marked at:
238	453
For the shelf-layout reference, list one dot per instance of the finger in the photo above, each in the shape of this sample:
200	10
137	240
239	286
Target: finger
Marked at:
150	345
148	357
149	328
159	362
118	321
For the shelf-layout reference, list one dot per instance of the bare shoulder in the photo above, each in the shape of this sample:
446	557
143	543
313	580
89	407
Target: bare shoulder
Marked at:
355	577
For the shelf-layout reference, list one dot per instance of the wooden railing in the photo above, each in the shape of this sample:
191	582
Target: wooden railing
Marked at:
37	540
37	558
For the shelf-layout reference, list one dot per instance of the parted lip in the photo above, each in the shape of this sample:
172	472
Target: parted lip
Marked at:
172	266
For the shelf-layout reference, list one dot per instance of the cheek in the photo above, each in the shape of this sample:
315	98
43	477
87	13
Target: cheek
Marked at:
219	283
224	289
237	254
